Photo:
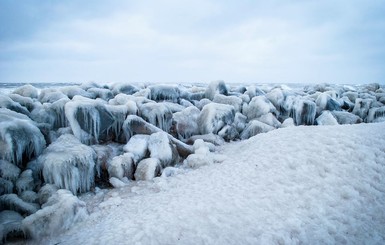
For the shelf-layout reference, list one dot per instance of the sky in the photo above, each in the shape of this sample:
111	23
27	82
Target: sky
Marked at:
176	41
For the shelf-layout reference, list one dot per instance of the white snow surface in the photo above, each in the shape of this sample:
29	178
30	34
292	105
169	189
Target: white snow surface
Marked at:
305	184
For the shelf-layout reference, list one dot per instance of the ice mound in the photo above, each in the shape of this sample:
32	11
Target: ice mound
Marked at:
6	186
157	114
255	127
304	111
214	117
257	107
9	171
8	103
326	118
137	146
51	95
148	169
10	225
27	91
186	122
20	139
15	203
69	164
161	148
59	213
122	166
164	92
216	87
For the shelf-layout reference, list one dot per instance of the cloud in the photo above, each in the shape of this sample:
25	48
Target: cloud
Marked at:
195	41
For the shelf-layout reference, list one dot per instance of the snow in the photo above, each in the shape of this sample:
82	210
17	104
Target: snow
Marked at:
147	169
306	184
161	148
138	146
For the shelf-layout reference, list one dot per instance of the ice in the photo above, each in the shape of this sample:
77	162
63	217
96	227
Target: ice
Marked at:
229	132
326	118
25	182
211	138
46	192
59	213
376	114
214	117
253	91
138	146
303	111
186	122
288	122
161	148
123	88
255	127
10	225
122	166
20	139
29	196
361	107
69	164
15	203
6	186
325	102
201	103
72	91
276	97
157	114
102	93
201	156
216	87
240	121
26	102
27	91
51	95
9	171
351	95
235	101
147	169
164	93
8	103
344	117
259	106
270	119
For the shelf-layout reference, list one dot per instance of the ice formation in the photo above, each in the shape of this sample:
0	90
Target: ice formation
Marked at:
19	137
60	212
326	118
234	101
25	182
214	117
27	91
304	112
122	166
164	92
10	225
137	146
186	122
69	164
161	148
216	87
148	169
376	114
9	171
255	127
157	114
8	103
259	106
15	203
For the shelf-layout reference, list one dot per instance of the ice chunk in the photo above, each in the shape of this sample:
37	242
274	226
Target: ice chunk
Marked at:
102	93
303	112
326	118
276	97
228	132
195	161
117	183
9	171
148	169
25	182
376	114
214	117
72	91
161	148
259	106
69	164
255	127
6	102
124	88
104	154
201	103
46	192
240	121
216	87
15	203
269	119
361	107
51	95
288	122
211	138
344	117
157	114
325	102
10	225
6	186
138	146
27	91
19	137
164	92
253	91
61	211
186	122
351	95
236	102
122	166
23	101
29	196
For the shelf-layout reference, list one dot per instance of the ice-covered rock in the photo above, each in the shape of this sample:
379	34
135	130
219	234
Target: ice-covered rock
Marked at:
157	114
361	107
216	87
50	95
214	117
72	91
6	186
8	103
344	117
122	166
240	121
288	122
148	169
326	102
255	127
376	114
276	97
20	139
270	119
15	203
137	146
211	138
253	91
186	122
59	213
326	118
26	102
10	225
195	161
257	107
124	88
25	182
46	192
229	132
9	171
102	93
201	103
104	154
117	183
304	112
69	164
164	93
161	148
351	95
27	91
236	102
29	196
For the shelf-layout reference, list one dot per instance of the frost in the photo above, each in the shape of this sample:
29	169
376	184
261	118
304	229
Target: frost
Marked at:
46	192
59	213
69	164
6	186
376	114
214	117
25	182
147	169
29	196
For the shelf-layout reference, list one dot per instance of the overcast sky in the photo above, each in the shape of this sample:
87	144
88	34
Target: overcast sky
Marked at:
192	41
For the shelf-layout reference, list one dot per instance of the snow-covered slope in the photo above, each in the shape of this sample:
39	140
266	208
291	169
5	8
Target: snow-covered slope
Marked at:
306	184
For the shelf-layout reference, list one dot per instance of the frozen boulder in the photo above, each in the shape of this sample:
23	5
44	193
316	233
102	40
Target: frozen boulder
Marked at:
240	121
270	119
124	88
72	91
201	103
216	87
325	102
69	164
253	91
255	127
59	213
26	102
8	103
376	114
229	132
214	117
344	117
6	186
15	203
361	107
25	182
235	101
10	225
161	148
137	146
29	196
51	95
9	171
122	166
27	91
304	112
288	122
164	93
257	107
276	97
326	118
102	93
20	138
148	169
157	114
195	161
46	192
186	122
